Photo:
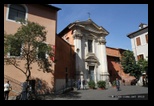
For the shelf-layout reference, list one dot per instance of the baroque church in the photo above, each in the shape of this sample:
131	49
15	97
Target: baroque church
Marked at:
90	49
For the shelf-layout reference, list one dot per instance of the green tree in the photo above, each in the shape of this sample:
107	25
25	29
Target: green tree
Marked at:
30	37
129	64
143	65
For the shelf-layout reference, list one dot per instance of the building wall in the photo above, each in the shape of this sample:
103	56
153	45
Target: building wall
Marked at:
143	48
69	35
114	66
112	52
47	17
65	61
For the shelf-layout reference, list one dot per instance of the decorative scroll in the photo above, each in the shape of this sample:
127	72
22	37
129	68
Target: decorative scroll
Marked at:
77	34
101	40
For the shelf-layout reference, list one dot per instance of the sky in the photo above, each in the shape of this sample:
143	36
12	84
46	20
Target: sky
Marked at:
118	19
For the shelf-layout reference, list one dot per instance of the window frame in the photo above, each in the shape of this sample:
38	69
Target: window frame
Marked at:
8	10
138	41
91	69
140	56
46	55
12	56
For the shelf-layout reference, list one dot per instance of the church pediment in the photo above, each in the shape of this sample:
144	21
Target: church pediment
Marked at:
90	26
91	58
93	29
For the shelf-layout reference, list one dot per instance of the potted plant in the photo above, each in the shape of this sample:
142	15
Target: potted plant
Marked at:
101	84
91	84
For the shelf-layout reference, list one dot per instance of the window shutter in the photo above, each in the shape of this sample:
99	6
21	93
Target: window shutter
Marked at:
138	41
146	37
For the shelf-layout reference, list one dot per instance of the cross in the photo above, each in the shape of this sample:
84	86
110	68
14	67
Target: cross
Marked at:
89	14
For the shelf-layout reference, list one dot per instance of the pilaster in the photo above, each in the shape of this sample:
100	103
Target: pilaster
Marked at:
101	54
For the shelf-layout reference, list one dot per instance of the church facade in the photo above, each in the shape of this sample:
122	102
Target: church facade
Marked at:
90	50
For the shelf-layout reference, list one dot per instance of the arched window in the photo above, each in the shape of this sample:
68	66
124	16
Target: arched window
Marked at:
16	11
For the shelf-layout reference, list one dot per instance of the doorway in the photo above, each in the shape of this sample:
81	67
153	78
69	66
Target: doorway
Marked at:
91	72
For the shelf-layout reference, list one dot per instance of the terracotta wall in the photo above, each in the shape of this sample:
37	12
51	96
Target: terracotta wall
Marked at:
47	17
113	68
65	64
70	36
65	58
112	52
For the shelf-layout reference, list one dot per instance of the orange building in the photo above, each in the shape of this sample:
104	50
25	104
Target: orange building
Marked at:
45	15
65	64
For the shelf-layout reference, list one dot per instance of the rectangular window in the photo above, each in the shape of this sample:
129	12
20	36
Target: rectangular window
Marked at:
41	51
15	49
140	57
146	37
90	46
138	41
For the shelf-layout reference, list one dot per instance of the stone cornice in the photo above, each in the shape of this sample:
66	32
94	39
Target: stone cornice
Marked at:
94	31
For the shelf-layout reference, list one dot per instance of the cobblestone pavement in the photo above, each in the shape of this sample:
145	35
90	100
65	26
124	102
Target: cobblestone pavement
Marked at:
126	93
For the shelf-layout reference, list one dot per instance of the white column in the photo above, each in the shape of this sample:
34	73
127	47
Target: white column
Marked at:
96	65
78	47
101	54
104	71
86	48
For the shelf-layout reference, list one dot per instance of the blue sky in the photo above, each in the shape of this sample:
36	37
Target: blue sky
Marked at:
118	19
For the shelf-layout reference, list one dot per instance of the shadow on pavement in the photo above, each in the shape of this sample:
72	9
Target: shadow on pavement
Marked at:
72	94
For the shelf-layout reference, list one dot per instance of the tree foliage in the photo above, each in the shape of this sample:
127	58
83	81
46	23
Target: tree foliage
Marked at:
143	65
129	64
30	37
